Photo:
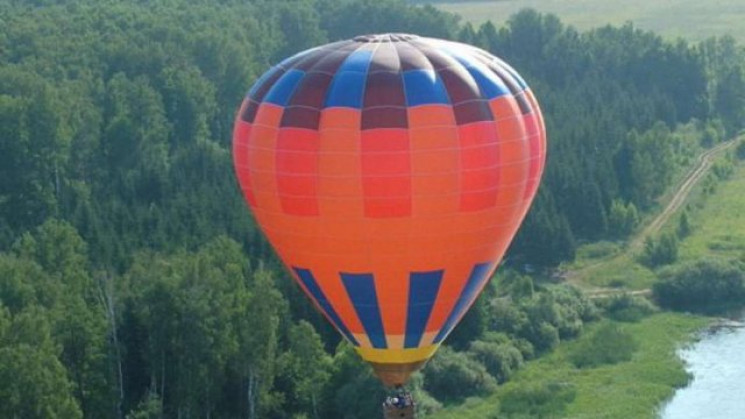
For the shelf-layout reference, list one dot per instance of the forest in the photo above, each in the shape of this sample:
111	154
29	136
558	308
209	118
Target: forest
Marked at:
133	280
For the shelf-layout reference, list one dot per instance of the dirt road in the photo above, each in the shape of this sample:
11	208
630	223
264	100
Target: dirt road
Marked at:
703	163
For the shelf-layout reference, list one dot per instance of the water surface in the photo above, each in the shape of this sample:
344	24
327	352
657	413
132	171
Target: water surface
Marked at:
717	391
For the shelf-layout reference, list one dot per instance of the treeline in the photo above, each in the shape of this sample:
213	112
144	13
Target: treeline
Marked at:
207	334
133	282
117	116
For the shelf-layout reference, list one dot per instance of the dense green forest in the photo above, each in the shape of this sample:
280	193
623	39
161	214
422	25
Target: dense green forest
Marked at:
133	282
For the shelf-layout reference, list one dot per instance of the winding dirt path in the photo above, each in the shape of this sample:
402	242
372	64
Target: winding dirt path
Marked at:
703	163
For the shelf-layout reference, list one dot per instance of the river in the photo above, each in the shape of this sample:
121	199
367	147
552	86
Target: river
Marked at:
717	391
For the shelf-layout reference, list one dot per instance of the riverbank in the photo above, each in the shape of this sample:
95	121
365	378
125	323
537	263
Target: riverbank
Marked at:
715	363
635	388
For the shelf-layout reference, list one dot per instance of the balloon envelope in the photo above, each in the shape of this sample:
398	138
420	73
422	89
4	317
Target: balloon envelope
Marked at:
390	173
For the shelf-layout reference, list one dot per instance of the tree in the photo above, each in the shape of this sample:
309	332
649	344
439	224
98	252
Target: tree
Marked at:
684	225
81	331
729	99
501	360
659	252
33	383
257	327
741	150
700	284
351	377
453	376
609	344
622	218
306	367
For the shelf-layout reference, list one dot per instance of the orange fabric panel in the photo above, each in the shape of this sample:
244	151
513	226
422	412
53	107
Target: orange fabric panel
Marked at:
262	162
297	170
479	152
386	172
339	165
515	156
435	160
431	116
241	136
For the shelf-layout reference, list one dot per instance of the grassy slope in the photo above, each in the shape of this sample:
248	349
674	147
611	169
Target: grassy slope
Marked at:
719	222
691	19
718	230
633	389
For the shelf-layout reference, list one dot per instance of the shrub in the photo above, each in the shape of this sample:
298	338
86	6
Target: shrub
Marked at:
501	360
452	376
536	400
660	252
740	152
608	345
684	225
700	284
627	308
525	347
543	336
622	218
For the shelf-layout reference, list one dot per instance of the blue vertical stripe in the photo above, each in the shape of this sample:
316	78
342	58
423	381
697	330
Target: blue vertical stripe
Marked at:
282	90
479	274
490	84
423	288
361	290
348	86
424	87
306	277
263	79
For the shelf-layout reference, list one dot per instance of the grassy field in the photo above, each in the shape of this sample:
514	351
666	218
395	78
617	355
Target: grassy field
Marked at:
690	19
633	389
719	223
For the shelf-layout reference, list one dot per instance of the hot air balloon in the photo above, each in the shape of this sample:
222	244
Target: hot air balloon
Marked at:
390	173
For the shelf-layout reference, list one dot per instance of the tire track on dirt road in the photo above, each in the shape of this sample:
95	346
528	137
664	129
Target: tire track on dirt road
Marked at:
704	161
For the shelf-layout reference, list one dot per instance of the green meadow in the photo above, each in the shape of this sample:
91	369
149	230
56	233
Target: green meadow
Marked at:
631	389
693	20
718	221
717	218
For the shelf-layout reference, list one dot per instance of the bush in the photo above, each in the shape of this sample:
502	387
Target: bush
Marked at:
660	252
740	151
598	250
608	345
622	218
558	312
501	360
505	316
627	308
452	377
723	169
536	400
684	225
701	284
543	336
525	347
425	403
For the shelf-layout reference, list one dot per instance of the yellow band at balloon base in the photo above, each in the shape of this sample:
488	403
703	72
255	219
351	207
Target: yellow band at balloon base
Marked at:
397	356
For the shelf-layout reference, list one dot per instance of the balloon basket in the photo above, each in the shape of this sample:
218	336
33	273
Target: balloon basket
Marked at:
399	405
